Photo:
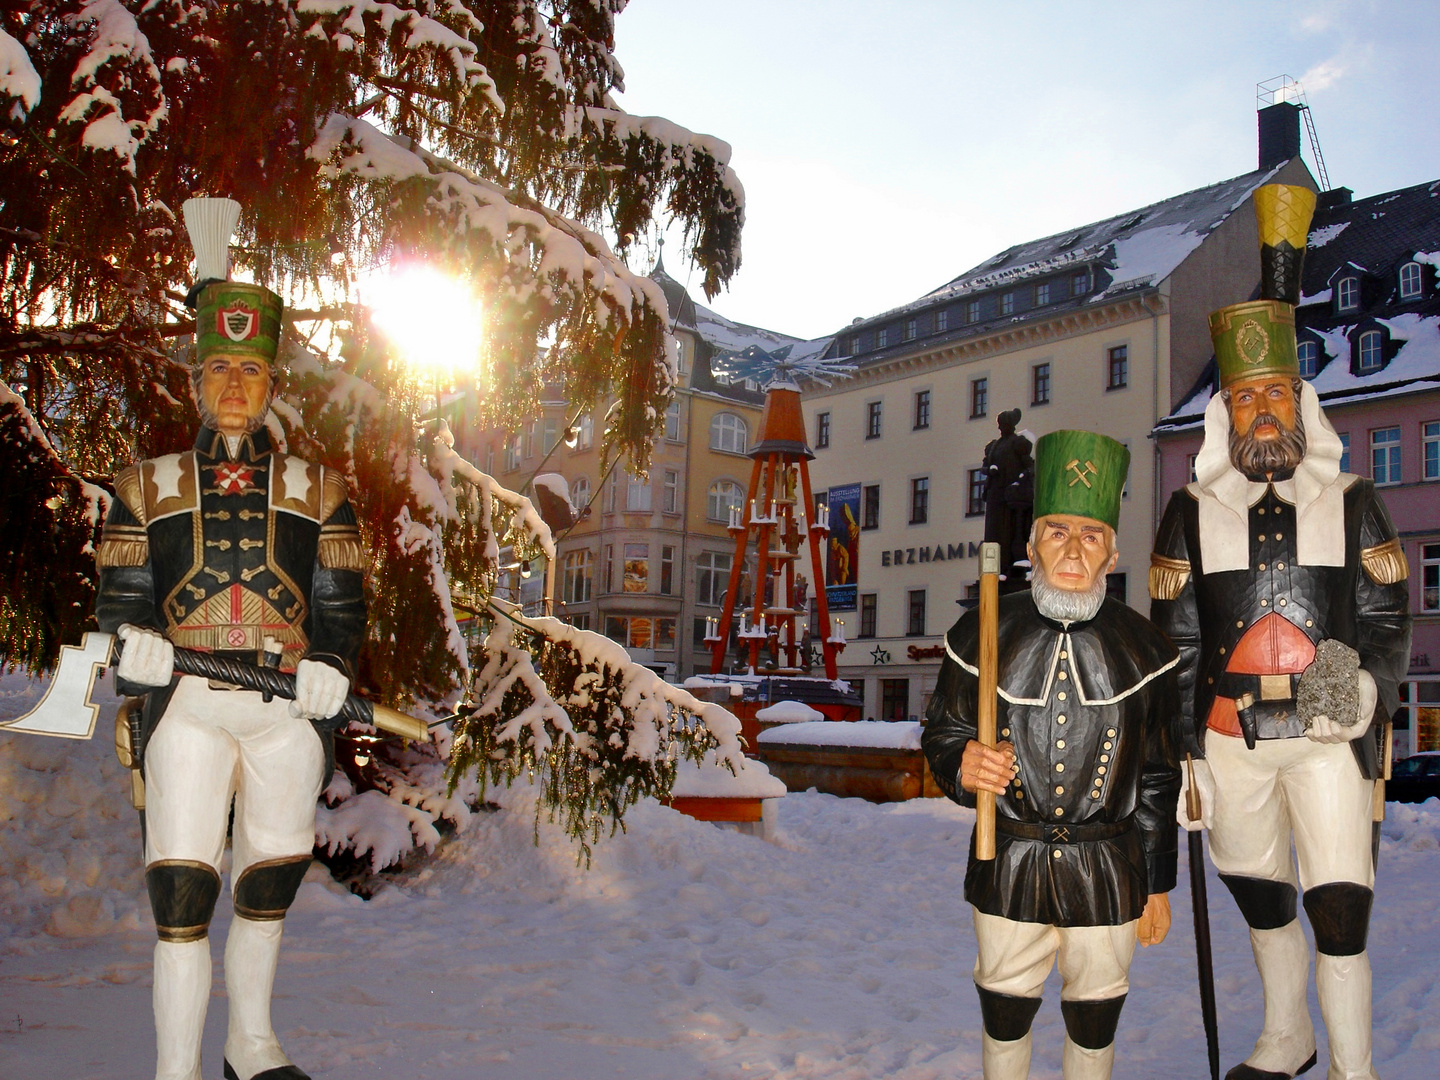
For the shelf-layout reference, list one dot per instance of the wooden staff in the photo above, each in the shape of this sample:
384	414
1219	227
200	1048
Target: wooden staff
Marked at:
989	677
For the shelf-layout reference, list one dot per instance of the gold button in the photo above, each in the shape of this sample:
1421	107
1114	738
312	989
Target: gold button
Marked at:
1211	679
1240	623
1110	732
1061	695
1222	650
1063	654
1261	510
1264	603
1060	719
1279	566
1063	675
1107	746
1059	811
1059	789
1055	854
1262	538
1262	566
1282	601
1105	757
1060	744
1059	766
1101	770
1006	732
1095	794
1278	537
1309	622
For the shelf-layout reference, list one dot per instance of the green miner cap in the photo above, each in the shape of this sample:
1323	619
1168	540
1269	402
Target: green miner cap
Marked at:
1080	473
1254	340
239	319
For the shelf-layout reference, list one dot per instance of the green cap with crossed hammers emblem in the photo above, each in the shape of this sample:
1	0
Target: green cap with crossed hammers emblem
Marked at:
1080	473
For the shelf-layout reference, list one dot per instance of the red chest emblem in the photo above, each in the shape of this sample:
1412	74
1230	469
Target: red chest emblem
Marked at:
234	479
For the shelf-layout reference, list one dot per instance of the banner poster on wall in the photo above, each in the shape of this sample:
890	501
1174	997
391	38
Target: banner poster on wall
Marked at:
842	555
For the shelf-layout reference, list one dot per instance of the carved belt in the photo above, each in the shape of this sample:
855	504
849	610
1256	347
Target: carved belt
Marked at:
1063	834
1257	687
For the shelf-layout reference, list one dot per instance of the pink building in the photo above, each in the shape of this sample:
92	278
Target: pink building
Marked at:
1368	331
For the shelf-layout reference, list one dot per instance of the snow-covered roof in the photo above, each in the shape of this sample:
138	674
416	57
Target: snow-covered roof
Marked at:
1136	249
726	335
1372	234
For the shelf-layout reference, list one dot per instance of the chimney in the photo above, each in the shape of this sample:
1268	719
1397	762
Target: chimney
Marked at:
1279	133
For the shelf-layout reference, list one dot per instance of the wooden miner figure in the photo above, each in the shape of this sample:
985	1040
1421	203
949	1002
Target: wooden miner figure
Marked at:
1271	554
1084	773
237	549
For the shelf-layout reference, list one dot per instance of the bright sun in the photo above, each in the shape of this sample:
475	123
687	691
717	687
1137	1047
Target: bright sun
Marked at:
432	318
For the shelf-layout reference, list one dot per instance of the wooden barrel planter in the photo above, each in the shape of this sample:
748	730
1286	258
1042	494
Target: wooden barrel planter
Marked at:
873	760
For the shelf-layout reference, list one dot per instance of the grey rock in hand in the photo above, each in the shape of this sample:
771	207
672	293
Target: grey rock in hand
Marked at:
1331	685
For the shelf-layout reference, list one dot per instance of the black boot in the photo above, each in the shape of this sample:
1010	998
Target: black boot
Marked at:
284	1072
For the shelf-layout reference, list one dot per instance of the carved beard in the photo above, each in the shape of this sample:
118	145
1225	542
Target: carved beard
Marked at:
1257	459
1066	605
210	420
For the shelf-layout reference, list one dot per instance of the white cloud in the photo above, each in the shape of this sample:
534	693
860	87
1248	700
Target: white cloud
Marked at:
1323	75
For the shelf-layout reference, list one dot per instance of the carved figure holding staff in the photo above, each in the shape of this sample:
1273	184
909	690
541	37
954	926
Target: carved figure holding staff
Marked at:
1084	775
237	550
1283	583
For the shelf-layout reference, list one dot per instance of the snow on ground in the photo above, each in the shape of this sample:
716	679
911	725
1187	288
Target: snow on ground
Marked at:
840	951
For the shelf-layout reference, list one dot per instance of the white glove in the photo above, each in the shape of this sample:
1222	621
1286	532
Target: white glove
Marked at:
1205	786
319	690
148	658
1324	730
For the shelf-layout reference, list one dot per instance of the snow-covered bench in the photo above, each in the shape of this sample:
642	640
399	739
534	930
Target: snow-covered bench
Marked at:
709	792
865	759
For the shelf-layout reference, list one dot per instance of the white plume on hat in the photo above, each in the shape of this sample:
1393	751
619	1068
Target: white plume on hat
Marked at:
211	223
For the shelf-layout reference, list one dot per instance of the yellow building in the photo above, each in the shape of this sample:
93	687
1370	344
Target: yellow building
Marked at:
1102	328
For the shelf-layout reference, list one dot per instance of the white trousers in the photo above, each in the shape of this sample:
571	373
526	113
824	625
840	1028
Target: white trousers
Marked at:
1015	958
212	744
1290	787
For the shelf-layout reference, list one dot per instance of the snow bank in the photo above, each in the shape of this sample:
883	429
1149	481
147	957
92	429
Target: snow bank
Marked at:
711	780
789	712
900	735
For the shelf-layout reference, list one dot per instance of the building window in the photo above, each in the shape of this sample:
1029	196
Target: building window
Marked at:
911	325
1007	303
637	632
529	442
942	320
1190	466
1344	451
854	344
489	459
919	500
1385	456
922	409
868	603
870	507
671	492
1410	281
822	430
882	337
723	495
979	397
1430	441
609	568
894	699
586	438
1430	577
637	494
1040	384
975	492
680	356
1372	351
550	433
1119	368
637	568
1042	294
512	454
580	621
728	433
576	579
712	576
1347	294
915	613
664	635
667	570
580	492
672	421
872	419
1308	353
1080	283
972	311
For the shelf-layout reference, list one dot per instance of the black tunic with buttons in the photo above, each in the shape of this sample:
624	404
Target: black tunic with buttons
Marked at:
1089	708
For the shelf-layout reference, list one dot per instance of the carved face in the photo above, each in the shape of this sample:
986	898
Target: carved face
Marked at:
233	392
1073	552
1267	434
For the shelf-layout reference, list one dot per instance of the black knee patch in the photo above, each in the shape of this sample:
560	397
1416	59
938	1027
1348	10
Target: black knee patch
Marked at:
1266	905
1092	1024
182	898
1007	1017
1340	916
265	891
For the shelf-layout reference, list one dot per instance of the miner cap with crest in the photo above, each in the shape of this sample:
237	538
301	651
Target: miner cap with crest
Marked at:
231	317
1256	339
1080	473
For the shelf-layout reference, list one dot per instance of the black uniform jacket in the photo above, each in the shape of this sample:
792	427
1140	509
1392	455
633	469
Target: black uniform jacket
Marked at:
1364	603
1088	707
219	552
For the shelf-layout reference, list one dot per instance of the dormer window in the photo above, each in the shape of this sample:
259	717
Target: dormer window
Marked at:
1308	353
1042	294
1410	281
1347	294
1080	283
1370	352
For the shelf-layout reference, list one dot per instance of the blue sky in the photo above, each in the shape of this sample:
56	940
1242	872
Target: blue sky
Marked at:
887	147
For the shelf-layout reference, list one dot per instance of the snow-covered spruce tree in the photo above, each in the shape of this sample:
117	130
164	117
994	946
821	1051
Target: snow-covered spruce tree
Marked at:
478	136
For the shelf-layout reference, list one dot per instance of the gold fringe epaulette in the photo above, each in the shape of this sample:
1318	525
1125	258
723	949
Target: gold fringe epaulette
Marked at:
1167	576
334	494
1385	564
128	488
340	549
